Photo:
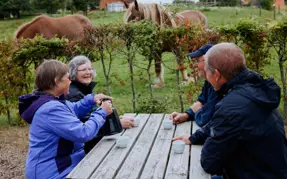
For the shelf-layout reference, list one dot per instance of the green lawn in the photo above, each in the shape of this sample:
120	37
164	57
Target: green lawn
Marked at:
168	95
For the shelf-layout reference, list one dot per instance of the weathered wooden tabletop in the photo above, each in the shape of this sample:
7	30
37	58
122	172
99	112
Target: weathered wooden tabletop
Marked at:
149	154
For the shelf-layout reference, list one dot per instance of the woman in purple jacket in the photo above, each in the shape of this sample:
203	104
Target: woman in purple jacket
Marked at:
57	135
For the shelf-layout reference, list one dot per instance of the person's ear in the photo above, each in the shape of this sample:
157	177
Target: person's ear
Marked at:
56	82
217	75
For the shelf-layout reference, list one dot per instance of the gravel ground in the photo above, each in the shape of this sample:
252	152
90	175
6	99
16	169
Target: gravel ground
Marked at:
13	151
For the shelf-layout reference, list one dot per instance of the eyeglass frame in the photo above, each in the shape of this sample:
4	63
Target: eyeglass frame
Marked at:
85	69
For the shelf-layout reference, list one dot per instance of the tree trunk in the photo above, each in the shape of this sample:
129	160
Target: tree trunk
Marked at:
283	80
105	73
149	76
130	61
178	85
8	110
132	83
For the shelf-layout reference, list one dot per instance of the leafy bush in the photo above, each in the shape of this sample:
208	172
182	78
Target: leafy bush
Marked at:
154	105
266	4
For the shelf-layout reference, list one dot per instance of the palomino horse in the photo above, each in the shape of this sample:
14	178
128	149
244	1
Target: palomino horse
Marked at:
156	13
70	27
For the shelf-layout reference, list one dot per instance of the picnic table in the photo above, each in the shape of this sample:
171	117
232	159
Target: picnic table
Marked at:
149	154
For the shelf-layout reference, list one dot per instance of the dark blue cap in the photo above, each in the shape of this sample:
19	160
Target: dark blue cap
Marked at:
201	51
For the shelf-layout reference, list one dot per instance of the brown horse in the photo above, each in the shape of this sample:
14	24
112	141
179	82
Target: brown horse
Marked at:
70	27
156	13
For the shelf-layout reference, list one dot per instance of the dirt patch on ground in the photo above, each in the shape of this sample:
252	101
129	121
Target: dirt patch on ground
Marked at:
13	151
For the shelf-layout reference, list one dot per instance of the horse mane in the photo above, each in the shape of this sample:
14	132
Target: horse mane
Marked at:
22	28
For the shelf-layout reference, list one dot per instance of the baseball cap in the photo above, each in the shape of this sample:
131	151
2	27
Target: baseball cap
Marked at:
201	51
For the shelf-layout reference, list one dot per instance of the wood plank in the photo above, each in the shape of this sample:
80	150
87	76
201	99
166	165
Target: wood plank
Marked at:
178	163
111	164
92	160
156	163
135	161
196	170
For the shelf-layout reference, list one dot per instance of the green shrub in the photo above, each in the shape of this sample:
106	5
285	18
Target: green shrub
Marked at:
154	105
266	4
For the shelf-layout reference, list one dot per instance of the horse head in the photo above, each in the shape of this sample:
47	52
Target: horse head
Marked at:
133	12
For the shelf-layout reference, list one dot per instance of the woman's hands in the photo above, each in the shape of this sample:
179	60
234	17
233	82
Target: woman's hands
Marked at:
106	105
98	98
127	122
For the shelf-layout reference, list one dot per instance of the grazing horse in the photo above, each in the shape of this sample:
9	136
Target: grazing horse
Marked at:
70	27
156	13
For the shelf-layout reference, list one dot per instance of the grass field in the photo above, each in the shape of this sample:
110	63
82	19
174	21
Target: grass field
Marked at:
122	92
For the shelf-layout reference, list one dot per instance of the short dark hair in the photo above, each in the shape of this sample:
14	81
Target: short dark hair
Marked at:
48	73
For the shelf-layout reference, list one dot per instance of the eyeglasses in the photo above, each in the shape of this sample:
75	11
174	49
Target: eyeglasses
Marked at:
86	69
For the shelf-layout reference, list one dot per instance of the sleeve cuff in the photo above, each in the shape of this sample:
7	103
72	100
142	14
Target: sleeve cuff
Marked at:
192	139
102	112
190	114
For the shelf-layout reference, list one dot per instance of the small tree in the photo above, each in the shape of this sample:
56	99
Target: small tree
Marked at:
278	39
11	80
253	38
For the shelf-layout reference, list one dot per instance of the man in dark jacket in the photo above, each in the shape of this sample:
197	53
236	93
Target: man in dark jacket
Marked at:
246	134
202	110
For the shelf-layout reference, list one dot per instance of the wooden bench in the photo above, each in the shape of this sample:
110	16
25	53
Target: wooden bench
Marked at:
149	154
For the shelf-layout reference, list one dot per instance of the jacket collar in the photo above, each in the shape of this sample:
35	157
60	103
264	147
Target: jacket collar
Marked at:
84	88
227	87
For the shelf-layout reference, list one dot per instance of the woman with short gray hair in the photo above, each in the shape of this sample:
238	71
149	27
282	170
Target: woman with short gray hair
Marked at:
76	62
82	73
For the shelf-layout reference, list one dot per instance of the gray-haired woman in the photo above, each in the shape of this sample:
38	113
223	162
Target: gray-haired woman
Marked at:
82	73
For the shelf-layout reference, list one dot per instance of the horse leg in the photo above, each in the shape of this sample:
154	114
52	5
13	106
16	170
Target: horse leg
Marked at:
159	80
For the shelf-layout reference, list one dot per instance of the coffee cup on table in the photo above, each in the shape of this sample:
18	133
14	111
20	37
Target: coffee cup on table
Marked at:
136	122
178	146
122	141
167	124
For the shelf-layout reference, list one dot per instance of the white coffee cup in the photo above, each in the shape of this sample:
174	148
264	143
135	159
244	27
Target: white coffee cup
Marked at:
178	146
136	122
122	141
167	124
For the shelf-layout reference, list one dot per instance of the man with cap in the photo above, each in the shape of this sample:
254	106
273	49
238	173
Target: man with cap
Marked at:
202	110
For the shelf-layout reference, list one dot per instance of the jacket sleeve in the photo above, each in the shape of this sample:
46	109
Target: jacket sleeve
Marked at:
190	114
201	98
82	107
221	143
200	135
66	125
205	114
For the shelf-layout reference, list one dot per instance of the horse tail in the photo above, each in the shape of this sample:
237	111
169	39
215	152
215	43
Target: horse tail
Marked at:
24	27
206	22
204	19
